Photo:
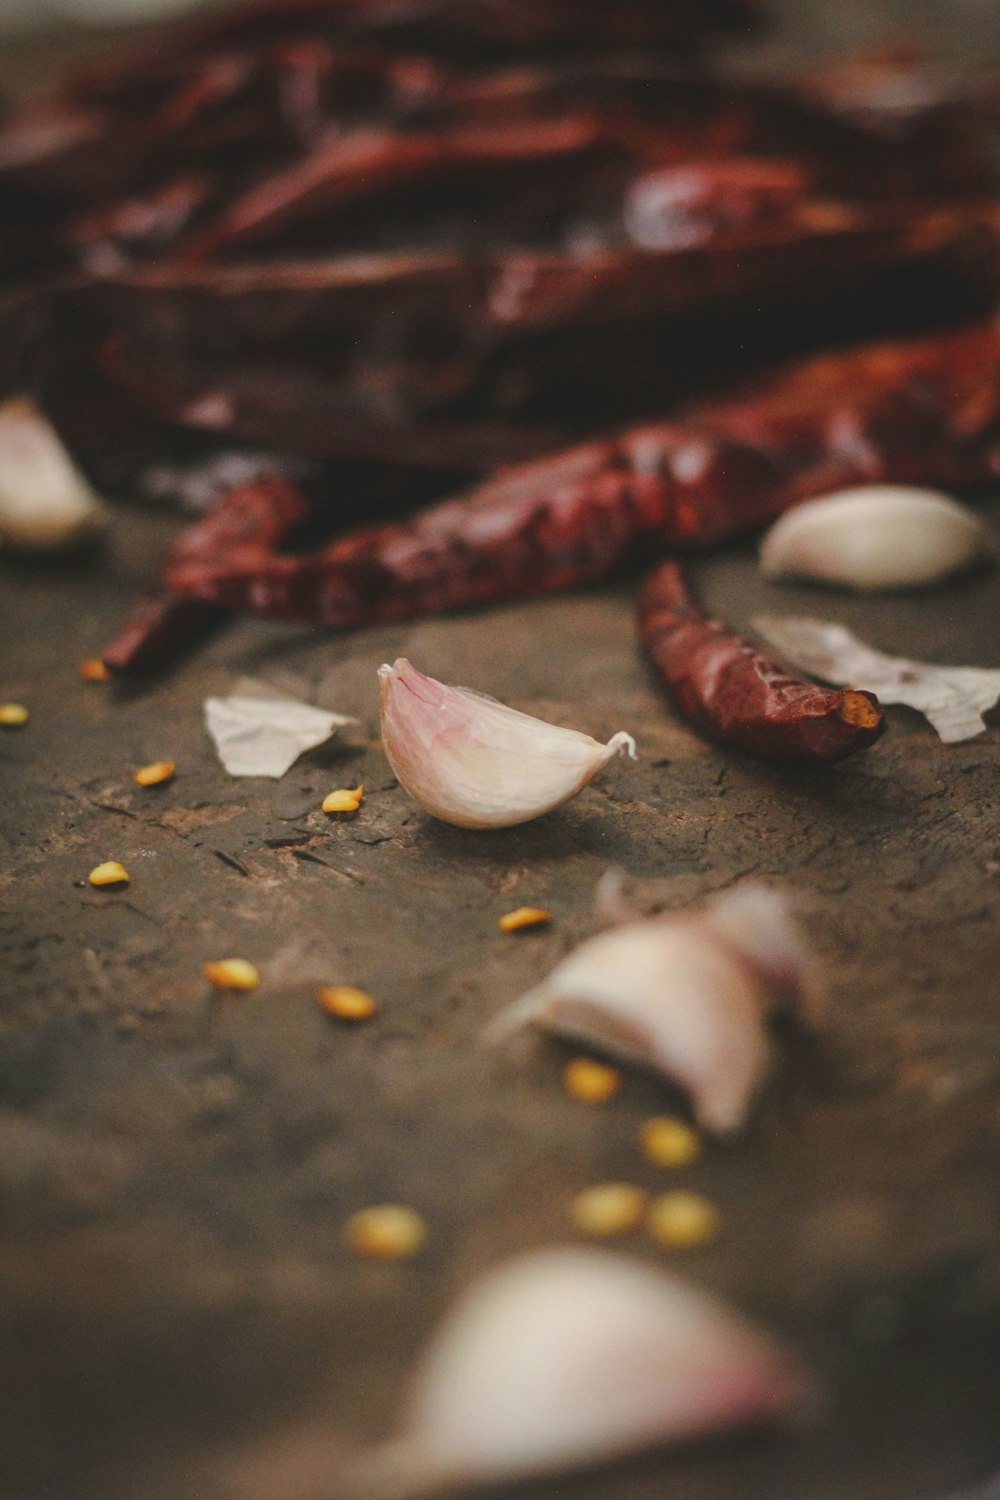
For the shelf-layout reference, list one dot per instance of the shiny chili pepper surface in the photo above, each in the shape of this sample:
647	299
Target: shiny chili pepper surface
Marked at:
246	522
923	412
733	692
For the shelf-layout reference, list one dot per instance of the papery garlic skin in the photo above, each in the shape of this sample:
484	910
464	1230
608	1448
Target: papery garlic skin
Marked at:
45	502
568	1357
687	996
877	536
474	762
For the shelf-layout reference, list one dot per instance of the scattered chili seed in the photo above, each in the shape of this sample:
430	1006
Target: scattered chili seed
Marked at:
345	800
156	774
94	670
524	917
610	1208
13	715
347	1003
232	974
110	873
389	1231
668	1142
591	1081
682	1221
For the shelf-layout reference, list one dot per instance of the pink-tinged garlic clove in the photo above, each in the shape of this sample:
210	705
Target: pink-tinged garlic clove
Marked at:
569	1357
687	996
875	536
45	502
472	761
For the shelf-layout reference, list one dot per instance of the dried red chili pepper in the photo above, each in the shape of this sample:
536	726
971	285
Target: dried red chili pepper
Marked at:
735	693
246	523
922	412
464	364
469	29
362	167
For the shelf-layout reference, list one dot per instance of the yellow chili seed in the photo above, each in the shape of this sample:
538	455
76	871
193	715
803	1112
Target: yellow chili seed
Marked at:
610	1208
524	917
590	1081
682	1221
668	1142
94	670
13	715
347	1003
231	974
110	873
345	800
389	1231
156	774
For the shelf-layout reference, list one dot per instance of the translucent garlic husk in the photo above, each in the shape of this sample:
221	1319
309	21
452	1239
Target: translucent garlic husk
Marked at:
688	996
568	1357
878	536
45	502
472	761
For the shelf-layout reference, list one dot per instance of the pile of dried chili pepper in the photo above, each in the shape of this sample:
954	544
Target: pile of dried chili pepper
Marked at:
396	246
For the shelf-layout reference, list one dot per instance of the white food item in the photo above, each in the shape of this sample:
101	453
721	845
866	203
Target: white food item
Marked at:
687	995
568	1357
265	736
472	761
45	502
953	699
877	536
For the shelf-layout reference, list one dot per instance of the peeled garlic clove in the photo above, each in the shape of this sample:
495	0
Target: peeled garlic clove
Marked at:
688	996
877	536
569	1357
45	502
470	760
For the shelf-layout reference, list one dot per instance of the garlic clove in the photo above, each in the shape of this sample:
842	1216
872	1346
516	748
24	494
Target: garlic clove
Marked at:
687	996
952	699
45	502
568	1357
876	536
472	761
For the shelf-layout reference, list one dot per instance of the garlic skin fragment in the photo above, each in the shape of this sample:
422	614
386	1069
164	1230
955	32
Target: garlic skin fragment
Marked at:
474	762
568	1357
876	536
687	996
45	502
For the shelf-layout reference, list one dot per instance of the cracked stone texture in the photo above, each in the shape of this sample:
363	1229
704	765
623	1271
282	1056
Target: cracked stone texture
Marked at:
178	1312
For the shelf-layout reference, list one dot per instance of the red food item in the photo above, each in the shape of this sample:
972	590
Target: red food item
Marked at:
731	691
924	412
246	523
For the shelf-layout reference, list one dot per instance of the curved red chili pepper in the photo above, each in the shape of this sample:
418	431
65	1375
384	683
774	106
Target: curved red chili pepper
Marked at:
248	523
925	412
731	691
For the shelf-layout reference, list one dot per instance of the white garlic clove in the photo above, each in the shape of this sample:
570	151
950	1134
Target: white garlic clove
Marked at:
568	1357
470	760
45	502
877	536
687	996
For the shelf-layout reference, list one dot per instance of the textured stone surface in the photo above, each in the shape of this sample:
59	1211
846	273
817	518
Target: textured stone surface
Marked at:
178	1167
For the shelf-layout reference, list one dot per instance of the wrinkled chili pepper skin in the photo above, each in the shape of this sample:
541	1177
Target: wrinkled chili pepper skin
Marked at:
467	29
923	412
247	522
732	692
468	363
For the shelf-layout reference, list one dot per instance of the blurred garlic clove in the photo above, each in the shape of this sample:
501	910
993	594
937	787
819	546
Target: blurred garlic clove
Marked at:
568	1357
877	536
45	502
470	760
687	996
